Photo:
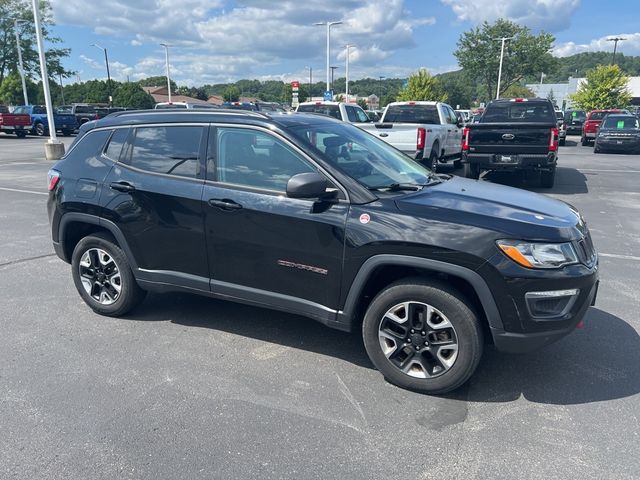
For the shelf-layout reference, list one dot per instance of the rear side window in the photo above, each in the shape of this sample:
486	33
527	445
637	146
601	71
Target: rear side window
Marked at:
171	150
330	110
116	143
412	114
507	112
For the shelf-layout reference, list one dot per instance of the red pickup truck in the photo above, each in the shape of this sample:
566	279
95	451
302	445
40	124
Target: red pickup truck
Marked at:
17	123
592	124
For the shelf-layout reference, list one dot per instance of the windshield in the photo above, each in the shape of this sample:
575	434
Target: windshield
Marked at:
621	123
372	162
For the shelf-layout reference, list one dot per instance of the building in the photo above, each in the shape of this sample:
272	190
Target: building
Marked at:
561	91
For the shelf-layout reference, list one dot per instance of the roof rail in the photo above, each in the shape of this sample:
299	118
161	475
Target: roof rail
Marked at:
191	111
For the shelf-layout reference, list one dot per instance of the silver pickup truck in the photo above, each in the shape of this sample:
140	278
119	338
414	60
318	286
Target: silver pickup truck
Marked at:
426	131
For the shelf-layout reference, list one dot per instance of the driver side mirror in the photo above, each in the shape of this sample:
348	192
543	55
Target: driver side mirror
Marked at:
310	185
459	123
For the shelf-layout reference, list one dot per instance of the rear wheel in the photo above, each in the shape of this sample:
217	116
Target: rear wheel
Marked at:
562	142
584	141
547	179
21	133
39	129
457	163
433	158
66	133
471	171
103	277
596	148
422	336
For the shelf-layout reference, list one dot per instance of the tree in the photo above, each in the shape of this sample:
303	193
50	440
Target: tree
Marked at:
459	90
519	91
12	10
133	96
363	103
157	81
422	86
478	53
606	86
231	94
11	90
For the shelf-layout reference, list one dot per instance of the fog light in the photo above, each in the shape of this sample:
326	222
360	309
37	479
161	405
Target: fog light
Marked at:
552	305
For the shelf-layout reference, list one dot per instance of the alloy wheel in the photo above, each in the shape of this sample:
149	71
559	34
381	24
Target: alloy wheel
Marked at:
100	276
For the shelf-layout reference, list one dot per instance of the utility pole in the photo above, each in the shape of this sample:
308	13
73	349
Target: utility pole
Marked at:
166	52
24	82
615	41
332	70
380	98
310	81
61	88
329	25
347	46
106	61
503	39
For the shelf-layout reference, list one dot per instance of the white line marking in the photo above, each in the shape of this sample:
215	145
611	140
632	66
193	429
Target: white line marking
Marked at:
622	257
22	191
607	171
19	163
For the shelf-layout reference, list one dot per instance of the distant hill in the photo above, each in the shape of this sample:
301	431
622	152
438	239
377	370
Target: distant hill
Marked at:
577	65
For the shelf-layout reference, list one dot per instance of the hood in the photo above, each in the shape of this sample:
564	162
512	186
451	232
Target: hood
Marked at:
513	212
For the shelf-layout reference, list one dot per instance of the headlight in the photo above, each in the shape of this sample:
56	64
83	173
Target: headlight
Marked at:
539	255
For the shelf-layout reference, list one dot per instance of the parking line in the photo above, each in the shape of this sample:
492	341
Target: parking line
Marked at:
19	163
607	171
23	191
621	257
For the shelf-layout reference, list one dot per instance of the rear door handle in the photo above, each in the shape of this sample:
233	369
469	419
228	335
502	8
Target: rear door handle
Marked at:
224	204
122	187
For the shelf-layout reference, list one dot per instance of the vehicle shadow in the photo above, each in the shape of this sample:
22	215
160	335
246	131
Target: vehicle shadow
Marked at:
259	323
569	181
600	362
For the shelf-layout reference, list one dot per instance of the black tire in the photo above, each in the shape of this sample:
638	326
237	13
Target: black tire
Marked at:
457	163
130	294
432	162
547	179
596	148
66	133
471	171
467	332
562	142
584	141
39	129
21	133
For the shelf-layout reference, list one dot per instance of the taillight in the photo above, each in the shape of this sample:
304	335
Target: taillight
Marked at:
421	141
53	177
553	141
465	139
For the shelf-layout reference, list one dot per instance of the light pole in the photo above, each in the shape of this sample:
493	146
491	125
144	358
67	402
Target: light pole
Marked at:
503	39
615	41
332	70
380	98
328	24
106	61
61	87
346	88
166	53
310	81
53	149
24	82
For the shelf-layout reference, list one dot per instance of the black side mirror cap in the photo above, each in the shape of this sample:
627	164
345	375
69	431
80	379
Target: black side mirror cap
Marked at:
307	185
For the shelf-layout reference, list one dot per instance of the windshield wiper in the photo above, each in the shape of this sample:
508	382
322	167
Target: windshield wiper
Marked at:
397	187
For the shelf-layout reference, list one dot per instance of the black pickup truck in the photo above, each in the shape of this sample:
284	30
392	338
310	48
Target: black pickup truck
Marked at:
518	134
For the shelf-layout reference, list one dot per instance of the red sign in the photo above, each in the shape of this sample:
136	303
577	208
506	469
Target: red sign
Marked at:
295	85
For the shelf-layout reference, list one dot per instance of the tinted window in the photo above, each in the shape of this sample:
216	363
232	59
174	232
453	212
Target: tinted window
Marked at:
505	112
575	115
169	150
84	109
361	115
256	159
330	110
599	115
64	109
351	114
115	143
19	110
39	110
88	146
170	106
412	114
620	122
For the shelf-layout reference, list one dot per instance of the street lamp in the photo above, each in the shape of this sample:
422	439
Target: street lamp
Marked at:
380	98
615	46
502	39
346	88
310	81
106	61
166	52
328	24
332	70
24	82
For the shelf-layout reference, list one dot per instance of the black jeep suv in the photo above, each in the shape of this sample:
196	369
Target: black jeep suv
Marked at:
306	214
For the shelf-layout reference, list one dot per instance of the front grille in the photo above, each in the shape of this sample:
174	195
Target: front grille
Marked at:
586	251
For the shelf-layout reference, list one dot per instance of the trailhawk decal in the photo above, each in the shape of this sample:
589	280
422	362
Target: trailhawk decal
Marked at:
300	266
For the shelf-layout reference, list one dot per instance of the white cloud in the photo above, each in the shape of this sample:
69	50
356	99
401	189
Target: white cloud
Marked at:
630	46
548	15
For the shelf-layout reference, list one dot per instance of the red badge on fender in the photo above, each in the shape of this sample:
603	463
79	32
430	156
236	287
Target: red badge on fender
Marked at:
365	218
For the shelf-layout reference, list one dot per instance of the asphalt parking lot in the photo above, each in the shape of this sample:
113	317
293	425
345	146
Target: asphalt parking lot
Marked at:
188	387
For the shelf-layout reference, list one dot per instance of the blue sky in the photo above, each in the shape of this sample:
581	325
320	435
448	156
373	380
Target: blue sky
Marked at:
219	40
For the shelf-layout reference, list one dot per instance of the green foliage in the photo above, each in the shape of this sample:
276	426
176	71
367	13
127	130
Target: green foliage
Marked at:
231	94
459	90
11	10
363	103
579	64
519	91
606	86
193	92
11	90
422	86
133	96
157	81
478	53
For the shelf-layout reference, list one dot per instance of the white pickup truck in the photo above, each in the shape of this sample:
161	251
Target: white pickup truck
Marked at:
426	131
347	112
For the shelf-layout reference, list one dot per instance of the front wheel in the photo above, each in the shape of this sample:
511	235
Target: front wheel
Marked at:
39	130
422	336
103	277
471	171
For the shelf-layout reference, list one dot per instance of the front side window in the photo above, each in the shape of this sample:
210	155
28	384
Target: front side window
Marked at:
361	116
351	114
172	150
256	159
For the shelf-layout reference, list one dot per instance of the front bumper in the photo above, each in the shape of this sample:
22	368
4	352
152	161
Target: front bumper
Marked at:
626	145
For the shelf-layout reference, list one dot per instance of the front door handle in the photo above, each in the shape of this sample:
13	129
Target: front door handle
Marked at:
224	204
122	187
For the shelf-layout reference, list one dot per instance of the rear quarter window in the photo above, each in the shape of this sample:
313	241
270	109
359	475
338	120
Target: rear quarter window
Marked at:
88	147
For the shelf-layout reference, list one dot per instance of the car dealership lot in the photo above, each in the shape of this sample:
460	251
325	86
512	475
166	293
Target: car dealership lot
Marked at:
188	387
